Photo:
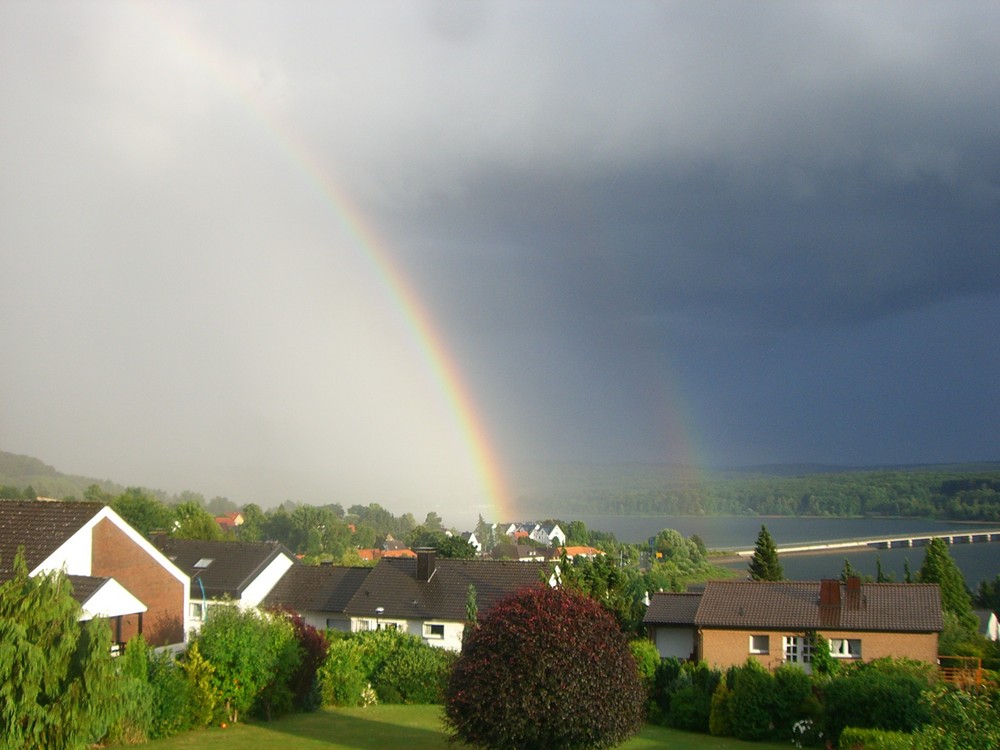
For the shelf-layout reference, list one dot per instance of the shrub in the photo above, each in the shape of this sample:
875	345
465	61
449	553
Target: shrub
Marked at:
58	687
752	702
340	677
416	673
647	659
691	702
961	720
720	722
253	656
202	694
546	668
135	696
856	738
312	646
172	704
876	696
664	685
792	700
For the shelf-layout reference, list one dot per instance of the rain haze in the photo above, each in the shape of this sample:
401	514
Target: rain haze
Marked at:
389	252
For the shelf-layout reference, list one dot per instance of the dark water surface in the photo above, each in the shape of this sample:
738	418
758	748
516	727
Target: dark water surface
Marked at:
976	561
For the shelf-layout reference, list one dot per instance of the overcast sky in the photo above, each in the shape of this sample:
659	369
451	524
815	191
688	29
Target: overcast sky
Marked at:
722	233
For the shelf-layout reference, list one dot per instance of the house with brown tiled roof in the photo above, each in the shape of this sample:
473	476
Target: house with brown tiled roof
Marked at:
427	596
116	573
319	593
773	621
241	573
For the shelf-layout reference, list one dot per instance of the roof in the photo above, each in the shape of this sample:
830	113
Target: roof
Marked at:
393	585
795	605
316	588
223	568
41	526
673	609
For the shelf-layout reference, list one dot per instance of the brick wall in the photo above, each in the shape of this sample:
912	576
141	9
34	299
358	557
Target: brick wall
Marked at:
117	556
726	648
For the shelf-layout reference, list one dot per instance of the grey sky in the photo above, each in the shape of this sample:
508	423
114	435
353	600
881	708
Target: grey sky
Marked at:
723	232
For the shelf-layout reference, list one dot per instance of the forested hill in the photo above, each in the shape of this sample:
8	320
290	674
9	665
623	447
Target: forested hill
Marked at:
967	492
26	473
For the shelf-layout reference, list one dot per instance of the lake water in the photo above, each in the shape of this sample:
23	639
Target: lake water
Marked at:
976	561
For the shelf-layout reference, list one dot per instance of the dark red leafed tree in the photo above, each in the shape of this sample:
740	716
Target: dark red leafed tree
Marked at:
545	669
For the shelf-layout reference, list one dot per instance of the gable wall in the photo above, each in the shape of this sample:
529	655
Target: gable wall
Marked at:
726	648
117	556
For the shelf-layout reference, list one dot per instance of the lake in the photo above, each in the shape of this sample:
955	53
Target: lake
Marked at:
976	561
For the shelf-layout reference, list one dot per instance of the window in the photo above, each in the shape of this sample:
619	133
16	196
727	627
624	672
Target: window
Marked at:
433	630
845	648
798	650
760	644
204	562
196	611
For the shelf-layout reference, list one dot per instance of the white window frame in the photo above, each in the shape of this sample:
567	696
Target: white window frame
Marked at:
430	627
757	649
798	649
196	611
845	648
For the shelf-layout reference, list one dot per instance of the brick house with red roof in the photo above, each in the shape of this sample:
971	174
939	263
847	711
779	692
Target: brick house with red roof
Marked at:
772	621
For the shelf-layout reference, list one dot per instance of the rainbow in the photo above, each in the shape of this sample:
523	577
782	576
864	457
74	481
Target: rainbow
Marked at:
365	239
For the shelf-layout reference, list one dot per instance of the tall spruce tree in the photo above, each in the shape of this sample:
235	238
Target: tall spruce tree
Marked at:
939	567
764	564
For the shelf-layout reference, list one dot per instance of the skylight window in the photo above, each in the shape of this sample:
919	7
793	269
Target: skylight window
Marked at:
204	562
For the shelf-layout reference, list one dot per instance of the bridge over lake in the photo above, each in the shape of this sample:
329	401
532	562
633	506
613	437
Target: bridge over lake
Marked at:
978	536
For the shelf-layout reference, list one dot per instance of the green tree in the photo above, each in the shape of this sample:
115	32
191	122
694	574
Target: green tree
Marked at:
144	513
545	668
194	522
939	567
58	688
988	594
764	564
254	520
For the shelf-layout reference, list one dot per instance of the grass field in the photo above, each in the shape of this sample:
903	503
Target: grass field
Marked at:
412	727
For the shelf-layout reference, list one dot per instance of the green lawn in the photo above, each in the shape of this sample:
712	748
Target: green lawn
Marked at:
412	727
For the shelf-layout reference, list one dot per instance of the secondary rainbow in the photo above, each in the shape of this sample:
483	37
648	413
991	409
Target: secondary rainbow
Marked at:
412	312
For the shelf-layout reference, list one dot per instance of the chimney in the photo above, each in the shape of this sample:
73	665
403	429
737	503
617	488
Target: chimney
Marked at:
829	593
426	559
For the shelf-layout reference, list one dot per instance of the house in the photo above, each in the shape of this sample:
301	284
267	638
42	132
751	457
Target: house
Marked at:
230	521
240	573
319	593
772	621
423	595
574	551
523	553
116	572
375	554
989	627
473	541
550	534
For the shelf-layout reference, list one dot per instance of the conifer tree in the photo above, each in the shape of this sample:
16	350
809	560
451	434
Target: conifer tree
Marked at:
764	564
939	567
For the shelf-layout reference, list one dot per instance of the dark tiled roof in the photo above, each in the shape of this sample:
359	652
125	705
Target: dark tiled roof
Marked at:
794	605
41	526
85	587
316	588
233	566
393	584
672	609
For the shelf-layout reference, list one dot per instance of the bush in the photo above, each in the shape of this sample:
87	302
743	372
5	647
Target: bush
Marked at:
135	696
546	668
879	695
173	707
416	673
856	738
691	702
961	720
647	659
312	647
664	686
720	721
253	656
793	700
752	703
340	677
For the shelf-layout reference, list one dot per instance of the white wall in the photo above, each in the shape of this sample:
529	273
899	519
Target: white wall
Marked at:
676	642
262	585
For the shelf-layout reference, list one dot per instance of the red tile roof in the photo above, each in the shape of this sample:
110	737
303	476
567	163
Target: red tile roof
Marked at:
795	605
